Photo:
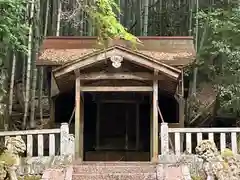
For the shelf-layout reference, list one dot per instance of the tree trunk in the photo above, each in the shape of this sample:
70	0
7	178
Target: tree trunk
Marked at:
195	71
59	17
145	22
11	88
26	108
41	70
34	82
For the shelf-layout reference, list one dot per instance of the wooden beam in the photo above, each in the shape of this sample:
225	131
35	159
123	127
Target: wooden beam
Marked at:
86	62
116	83
77	73
155	121
119	101
116	88
165	69
78	122
137	59
129	76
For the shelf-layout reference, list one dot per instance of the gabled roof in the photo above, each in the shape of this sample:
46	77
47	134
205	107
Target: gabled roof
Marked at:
174	51
134	57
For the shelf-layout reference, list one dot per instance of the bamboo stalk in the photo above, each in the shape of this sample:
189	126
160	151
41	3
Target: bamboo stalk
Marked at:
190	19
46	18
141	18
81	23
160	12
145	22
12	85
34	74
41	70
27	93
24	57
59	18
40	93
194	85
54	17
32	115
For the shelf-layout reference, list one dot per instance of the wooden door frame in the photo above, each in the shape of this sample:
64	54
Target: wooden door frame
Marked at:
79	119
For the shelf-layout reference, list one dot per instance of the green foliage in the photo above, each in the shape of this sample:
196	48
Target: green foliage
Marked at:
226	153
197	178
7	158
105	20
13	29
220	53
30	178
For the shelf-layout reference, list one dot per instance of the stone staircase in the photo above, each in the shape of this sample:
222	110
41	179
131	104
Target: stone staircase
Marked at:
114	171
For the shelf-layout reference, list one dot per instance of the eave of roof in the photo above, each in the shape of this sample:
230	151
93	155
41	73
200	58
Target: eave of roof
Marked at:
172	72
175	51
139	37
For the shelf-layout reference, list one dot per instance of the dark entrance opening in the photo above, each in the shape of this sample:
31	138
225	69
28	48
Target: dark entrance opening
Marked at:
111	121
117	116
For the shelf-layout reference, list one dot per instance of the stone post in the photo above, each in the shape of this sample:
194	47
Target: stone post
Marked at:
64	139
71	147
164	139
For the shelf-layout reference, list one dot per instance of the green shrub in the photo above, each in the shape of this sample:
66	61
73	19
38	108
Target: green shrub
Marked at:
197	178
30	178
227	153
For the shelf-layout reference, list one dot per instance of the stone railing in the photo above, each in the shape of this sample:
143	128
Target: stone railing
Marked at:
186	139
45	147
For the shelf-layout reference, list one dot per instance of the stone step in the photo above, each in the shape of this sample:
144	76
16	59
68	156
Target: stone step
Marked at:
57	173
114	168
128	163
115	176
111	171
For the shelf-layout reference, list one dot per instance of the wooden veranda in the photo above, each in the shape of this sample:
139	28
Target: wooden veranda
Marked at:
118	69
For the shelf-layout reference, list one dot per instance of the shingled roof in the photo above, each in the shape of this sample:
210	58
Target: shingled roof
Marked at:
174	51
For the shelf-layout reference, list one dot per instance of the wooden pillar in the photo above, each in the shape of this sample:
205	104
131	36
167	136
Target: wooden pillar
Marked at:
53	92
151	129
52	112
78	120
181	109
155	120
82	126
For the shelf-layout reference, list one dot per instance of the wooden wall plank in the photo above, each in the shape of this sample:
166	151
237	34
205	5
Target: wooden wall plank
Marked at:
124	75
115	88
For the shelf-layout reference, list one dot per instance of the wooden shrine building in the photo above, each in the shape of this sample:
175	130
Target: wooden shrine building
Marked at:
119	95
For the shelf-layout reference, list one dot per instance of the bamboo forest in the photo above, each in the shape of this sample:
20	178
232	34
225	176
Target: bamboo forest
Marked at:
214	75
